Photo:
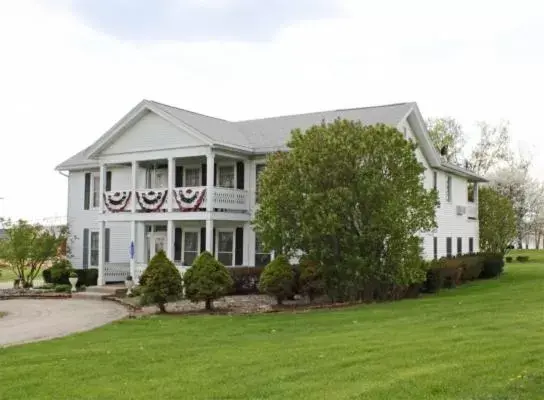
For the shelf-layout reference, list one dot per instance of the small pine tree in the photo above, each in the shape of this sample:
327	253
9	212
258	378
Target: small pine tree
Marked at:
311	277
161	282
277	279
206	280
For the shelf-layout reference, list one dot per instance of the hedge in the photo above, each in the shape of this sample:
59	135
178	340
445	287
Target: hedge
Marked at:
87	277
246	280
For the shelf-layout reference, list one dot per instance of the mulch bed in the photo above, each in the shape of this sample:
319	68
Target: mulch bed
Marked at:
6	294
229	305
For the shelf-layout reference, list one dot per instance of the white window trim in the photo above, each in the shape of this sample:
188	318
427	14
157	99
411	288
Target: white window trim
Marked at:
91	202
230	230
183	232
227	164
191	166
91	231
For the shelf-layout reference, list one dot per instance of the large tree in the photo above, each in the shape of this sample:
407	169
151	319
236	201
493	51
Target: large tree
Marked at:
350	195
27	248
446	133
497	221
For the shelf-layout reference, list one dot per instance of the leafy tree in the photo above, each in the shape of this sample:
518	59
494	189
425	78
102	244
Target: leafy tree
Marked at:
277	279
348	194
162	282
447	132
26	248
492	149
206	280
497	221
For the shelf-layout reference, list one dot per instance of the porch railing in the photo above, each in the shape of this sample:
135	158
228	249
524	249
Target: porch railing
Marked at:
183	199
116	272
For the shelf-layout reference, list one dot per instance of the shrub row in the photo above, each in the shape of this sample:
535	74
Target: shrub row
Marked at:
518	258
86	277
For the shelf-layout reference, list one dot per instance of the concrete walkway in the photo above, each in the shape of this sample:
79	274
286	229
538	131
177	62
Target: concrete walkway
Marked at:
30	320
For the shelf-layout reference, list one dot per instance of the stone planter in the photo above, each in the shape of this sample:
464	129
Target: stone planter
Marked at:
73	281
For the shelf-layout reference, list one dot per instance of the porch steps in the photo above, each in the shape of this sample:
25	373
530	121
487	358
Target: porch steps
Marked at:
89	295
98	292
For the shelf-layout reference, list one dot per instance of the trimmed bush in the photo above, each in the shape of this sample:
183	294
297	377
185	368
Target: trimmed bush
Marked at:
162	282
472	267
508	259
443	273
59	274
311	278
522	258
277	279
245	279
493	265
63	288
206	280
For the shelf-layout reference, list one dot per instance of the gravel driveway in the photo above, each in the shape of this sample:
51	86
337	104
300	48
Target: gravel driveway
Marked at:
30	320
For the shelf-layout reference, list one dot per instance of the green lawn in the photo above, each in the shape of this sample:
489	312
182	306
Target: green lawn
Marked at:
482	341
6	275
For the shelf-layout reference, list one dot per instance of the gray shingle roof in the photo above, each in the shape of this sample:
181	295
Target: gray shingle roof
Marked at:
264	134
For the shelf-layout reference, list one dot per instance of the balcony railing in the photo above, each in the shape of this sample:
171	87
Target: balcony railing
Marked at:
184	199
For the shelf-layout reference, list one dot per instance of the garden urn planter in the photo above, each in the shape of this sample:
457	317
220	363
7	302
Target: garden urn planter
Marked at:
73	281
129	284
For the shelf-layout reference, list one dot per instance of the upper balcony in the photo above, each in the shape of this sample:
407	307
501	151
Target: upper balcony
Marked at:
180	199
176	185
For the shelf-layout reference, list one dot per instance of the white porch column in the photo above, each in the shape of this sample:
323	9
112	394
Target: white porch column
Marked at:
209	235
247	244
170	239
101	252
210	170
171	171
102	186
133	182
133	243
247	172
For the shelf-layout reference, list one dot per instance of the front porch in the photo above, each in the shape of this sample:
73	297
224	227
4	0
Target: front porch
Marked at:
233	243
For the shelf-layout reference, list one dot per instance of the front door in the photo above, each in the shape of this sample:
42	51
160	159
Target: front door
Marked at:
156	242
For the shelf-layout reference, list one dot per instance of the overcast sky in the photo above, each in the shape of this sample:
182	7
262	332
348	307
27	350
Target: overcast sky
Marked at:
70	69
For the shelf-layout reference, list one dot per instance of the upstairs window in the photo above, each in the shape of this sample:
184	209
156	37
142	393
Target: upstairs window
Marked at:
192	177
448	188
435	180
95	184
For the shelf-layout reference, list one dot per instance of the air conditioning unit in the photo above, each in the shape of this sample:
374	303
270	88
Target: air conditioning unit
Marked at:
461	210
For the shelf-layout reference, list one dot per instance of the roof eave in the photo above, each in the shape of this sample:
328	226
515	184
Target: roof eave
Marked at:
452	168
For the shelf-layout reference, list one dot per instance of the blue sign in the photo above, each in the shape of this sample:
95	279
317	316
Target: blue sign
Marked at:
131	250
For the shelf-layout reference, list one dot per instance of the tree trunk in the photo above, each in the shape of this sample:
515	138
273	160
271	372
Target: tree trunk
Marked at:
209	304
162	307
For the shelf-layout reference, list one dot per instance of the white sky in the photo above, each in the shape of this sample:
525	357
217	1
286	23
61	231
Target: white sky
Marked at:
64	83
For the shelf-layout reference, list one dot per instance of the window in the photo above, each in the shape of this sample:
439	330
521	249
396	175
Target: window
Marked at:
435	180
226	176
262	258
435	248
471	245
459	246
258	169
94	250
448	247
225	247
191	246
448	188
95	190
192	177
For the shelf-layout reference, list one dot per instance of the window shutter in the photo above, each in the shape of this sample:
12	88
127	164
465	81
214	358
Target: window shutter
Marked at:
239	251
213	250
202	239
435	247
204	176
459	246
240	175
108	181
87	194
448	247
107	246
179	176
215	175
471	245
85	262
177	244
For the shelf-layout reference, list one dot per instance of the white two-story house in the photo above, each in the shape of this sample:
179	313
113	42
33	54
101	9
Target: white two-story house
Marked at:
171	179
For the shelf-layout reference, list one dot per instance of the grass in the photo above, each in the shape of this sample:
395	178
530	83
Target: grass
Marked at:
482	341
6	275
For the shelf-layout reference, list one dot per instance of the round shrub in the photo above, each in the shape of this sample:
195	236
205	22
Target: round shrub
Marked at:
162	282
206	280
277	279
60	272
311	278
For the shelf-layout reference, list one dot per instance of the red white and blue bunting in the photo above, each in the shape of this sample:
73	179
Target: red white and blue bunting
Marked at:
117	201
189	199
151	200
